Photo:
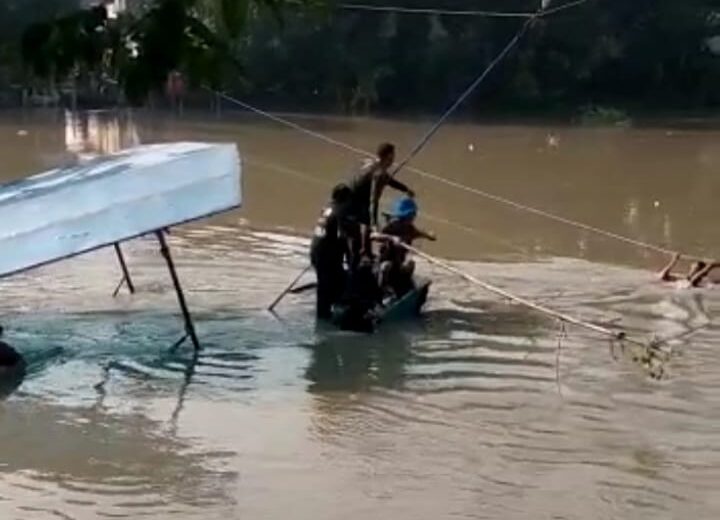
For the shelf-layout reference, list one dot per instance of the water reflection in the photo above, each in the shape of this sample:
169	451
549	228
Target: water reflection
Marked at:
187	365
355	363
475	339
423	420
103	463
89	134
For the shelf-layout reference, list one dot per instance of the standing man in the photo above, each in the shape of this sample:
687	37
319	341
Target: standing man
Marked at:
367	189
329	247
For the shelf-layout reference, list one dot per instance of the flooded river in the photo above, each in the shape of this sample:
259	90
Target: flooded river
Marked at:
471	412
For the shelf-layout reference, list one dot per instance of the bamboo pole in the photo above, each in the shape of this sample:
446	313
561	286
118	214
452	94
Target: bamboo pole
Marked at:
288	289
616	335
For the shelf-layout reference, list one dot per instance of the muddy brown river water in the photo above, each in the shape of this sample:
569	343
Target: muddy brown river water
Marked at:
465	413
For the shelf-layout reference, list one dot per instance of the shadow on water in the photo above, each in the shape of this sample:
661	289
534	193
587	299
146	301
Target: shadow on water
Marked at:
11	379
356	362
105	462
82	372
73	355
486	318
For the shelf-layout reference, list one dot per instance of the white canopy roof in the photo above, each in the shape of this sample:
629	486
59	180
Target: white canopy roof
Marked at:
69	211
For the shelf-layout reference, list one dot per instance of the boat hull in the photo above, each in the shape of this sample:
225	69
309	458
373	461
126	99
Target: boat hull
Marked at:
407	307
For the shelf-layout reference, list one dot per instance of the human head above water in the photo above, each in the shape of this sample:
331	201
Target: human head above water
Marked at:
341	193
386	154
404	208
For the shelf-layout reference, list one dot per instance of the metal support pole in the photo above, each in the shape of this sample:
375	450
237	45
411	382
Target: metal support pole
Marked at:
126	273
189	326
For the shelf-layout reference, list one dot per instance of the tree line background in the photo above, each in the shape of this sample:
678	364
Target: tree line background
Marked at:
639	54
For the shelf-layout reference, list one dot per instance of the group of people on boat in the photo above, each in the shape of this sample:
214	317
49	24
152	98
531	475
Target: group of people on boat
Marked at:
354	278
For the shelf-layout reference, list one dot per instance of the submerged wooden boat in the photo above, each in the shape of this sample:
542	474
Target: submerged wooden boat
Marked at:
407	307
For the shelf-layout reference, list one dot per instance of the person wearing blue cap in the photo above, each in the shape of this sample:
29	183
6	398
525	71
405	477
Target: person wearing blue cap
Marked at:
396	270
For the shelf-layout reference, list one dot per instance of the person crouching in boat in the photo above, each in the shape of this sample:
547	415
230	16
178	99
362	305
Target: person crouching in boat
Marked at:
396	269
329	247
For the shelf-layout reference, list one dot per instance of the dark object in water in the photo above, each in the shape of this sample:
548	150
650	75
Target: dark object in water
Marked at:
12	368
9	357
408	306
355	310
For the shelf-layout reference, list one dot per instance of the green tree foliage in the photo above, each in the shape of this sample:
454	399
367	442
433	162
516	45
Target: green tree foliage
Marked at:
639	53
649	53
15	17
140	48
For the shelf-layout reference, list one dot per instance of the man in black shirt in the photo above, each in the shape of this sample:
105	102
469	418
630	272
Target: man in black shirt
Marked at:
9	357
367	189
329	248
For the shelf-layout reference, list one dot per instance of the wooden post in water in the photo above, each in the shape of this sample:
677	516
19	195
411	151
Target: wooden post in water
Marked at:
189	326
126	273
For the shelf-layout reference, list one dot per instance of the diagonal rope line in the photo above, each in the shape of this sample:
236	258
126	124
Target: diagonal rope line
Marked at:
426	138
294	126
617	335
560	8
432	11
471	88
456	12
428	216
542	213
457	185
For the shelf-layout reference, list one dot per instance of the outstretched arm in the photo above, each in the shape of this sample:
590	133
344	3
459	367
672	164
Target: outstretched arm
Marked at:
698	277
394	183
427	235
379	183
381	237
666	274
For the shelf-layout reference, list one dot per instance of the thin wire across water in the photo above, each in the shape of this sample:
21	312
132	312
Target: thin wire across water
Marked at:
457	185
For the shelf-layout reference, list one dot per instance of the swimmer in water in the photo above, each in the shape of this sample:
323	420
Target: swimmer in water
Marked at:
695	277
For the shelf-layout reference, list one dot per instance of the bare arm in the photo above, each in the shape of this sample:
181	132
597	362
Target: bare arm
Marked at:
380	181
427	235
666	274
396	184
698	277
